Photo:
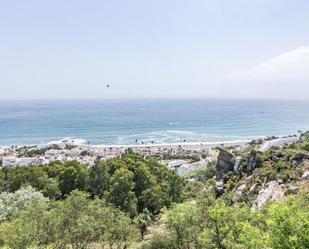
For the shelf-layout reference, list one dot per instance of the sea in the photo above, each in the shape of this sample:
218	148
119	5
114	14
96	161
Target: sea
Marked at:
127	122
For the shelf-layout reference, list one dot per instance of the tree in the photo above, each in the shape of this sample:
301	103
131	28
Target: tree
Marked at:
121	191
120	230
152	199
78	220
98	179
184	222
223	225
72	176
12	203
36	226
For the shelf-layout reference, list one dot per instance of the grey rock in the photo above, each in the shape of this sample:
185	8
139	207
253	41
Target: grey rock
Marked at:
219	188
252	189
299	158
273	191
237	163
274	158
305	176
251	163
226	162
239	192
249	178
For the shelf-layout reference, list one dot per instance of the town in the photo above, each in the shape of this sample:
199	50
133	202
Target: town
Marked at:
183	157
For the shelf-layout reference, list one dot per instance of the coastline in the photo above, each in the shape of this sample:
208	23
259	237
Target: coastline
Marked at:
88	154
183	144
82	143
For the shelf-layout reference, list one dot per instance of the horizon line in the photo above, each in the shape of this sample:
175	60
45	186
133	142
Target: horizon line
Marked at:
150	99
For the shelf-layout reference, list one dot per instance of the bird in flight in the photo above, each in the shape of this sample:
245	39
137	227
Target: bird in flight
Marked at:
107	85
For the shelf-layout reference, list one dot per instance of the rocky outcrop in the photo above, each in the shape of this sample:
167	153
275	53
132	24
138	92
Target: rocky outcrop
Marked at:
273	191
251	163
219	188
304	136
305	176
253	189
298	158
239	192
226	162
237	163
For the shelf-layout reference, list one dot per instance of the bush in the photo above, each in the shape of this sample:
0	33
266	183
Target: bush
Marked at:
12	203
75	222
160	241
280	166
306	147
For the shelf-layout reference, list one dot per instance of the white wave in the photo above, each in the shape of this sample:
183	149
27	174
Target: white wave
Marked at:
174	123
68	140
178	136
181	132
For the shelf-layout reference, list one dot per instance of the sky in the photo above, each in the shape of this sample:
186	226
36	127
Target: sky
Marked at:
72	49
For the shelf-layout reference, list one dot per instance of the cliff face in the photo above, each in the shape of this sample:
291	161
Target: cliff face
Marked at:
226	162
251	162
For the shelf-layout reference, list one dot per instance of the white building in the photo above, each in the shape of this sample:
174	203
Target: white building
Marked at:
22	161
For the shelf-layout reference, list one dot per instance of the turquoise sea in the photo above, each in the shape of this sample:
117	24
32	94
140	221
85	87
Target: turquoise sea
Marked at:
148	121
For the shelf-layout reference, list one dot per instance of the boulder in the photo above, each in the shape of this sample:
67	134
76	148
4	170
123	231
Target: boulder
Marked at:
252	189
237	163
298	158
274	158
219	188
226	162
305	176
239	192
273	191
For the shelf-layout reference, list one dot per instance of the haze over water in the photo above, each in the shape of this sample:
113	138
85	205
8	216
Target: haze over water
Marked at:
150	121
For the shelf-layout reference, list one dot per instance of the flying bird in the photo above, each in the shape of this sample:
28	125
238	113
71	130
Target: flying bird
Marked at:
107	85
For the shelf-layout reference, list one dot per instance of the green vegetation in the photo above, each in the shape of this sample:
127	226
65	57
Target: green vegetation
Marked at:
77	221
131	183
31	151
135	202
213	223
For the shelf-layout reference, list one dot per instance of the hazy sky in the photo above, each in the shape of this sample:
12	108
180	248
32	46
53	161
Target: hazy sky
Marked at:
158	49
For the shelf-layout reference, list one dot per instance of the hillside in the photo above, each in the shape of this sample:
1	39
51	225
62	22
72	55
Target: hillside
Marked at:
248	198
263	202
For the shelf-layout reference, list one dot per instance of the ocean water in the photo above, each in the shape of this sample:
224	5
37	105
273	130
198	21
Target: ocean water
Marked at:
148	121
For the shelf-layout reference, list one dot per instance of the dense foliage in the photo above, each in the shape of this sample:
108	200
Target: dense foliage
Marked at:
77	221
210	223
131	183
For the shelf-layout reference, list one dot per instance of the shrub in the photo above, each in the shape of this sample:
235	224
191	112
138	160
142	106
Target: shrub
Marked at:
306	147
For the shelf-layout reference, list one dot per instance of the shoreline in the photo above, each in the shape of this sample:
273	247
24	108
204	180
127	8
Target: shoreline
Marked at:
87	155
103	146
236	142
82	143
